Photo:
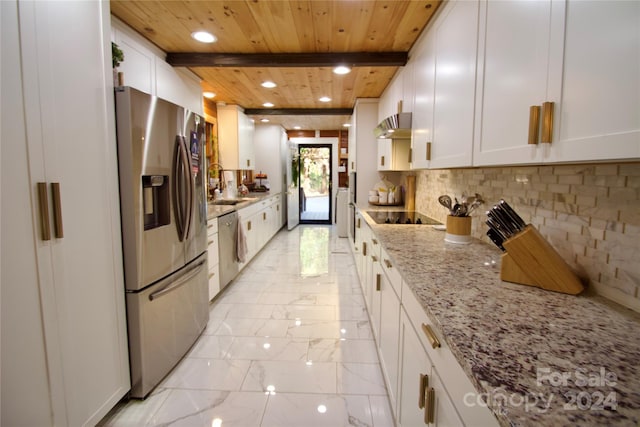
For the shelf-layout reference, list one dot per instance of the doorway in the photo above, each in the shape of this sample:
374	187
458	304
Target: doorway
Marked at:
315	183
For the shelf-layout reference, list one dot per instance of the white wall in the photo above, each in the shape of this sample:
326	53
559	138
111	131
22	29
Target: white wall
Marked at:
267	144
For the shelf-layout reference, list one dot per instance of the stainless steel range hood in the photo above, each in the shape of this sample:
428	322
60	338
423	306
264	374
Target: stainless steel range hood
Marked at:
397	126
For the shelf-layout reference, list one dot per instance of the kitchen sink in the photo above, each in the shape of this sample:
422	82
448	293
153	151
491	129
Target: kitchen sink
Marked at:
232	201
225	202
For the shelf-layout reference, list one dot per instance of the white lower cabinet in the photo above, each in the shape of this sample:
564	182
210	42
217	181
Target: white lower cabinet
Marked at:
260	222
422	397
213	259
384	312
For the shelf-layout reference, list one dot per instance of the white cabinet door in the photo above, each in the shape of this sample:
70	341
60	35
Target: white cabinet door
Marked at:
235	138
456	34
384	154
213	258
512	76
389	336
414	365
595	81
70	140
422	117
418	382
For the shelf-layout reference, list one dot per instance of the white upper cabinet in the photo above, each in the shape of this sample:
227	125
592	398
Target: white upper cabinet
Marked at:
444	74
144	68
584	57
512	76
456	34
595	81
422	118
235	138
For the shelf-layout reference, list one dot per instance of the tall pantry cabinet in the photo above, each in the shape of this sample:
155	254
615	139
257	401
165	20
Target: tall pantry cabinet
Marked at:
64	347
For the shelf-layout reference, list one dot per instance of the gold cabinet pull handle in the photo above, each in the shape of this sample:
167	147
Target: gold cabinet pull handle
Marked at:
57	210
424	383
374	241
429	407
410	155
381	160
547	122
428	156
364	248
43	201
248	225
534	124
388	263
435	342
374	258
358	225
378	280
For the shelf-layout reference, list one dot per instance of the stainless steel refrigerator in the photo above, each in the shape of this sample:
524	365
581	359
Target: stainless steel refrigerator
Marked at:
164	232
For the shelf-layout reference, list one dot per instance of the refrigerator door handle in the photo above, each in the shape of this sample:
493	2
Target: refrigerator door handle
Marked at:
188	275
186	175
182	206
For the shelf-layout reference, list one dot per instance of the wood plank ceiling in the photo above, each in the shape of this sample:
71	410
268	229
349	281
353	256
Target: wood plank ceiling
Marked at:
332	31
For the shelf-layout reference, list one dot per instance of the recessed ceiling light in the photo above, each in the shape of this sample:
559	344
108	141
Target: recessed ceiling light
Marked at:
297	127
347	125
324	99
208	94
204	37
267	104
264	120
342	69
269	84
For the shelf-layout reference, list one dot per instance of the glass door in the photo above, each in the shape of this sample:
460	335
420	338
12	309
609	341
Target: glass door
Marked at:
315	183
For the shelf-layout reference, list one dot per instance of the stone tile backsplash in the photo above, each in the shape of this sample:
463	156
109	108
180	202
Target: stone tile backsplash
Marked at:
590	213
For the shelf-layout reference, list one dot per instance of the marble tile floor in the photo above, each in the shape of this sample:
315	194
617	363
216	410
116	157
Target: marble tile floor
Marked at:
288	343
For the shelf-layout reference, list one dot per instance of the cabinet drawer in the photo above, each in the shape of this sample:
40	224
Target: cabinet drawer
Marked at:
212	226
392	272
455	380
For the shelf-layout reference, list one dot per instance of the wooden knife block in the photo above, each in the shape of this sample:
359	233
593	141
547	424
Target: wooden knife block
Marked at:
531	260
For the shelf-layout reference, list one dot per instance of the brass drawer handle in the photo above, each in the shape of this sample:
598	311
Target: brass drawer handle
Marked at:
435	342
388	263
374	258
534	124
424	383
547	122
364	248
43	201
378	280
374	241
428	155
358	225
429	407
381	160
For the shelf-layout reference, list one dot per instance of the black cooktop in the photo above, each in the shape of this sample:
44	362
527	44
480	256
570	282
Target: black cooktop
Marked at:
401	217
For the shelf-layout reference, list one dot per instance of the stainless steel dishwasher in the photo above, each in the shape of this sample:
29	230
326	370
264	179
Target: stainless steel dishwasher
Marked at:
227	246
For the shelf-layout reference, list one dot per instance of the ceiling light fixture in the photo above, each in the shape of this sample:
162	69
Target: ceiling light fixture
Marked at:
267	104
297	127
341	69
208	94
204	37
324	99
264	120
269	84
347	125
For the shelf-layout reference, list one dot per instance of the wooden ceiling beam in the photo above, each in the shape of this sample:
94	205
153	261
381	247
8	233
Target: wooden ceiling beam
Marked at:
354	59
298	111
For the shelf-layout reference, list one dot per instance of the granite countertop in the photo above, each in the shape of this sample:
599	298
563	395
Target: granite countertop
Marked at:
541	357
214	211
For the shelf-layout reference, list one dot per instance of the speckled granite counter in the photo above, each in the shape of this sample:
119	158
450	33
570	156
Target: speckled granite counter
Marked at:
214	211
541	358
